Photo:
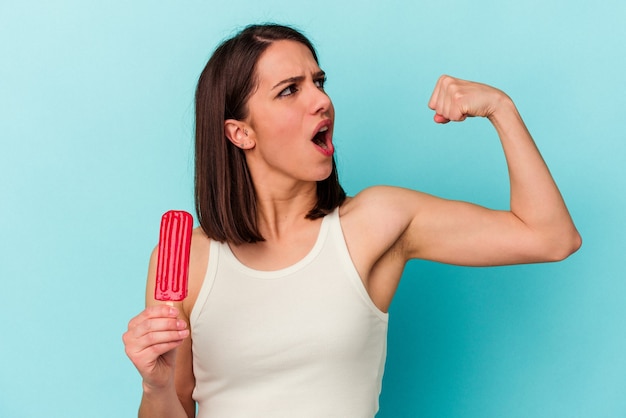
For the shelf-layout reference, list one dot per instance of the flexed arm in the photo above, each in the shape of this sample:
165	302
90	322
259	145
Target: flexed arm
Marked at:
409	224
537	227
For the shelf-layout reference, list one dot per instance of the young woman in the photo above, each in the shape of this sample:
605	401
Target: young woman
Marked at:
290	280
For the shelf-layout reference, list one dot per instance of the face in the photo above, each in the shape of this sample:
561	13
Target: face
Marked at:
290	117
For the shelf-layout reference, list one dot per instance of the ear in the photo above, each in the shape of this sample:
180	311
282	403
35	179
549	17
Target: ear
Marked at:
239	133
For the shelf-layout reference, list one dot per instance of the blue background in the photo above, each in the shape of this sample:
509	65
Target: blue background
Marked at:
96	131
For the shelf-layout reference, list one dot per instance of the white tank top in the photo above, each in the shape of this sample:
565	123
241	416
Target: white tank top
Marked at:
303	341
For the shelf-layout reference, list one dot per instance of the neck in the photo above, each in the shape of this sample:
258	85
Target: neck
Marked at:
282	210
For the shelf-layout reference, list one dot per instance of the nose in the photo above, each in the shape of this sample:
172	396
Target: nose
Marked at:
320	101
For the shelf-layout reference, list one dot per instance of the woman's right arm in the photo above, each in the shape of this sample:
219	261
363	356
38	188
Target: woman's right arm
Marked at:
157	342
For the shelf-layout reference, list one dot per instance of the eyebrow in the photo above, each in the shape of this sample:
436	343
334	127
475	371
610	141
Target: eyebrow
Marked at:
298	79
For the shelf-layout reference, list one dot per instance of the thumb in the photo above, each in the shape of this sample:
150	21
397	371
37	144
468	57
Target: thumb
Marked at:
440	119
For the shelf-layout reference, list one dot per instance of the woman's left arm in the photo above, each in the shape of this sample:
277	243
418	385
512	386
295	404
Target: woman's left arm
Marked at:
386	226
538	226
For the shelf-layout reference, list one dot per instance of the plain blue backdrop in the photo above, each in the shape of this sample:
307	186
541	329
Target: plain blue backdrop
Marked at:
96	131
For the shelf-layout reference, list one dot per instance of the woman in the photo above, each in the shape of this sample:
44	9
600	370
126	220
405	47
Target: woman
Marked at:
290	280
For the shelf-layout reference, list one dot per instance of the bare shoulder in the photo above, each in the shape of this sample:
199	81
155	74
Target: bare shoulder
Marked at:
383	207
374	220
198	260
200	244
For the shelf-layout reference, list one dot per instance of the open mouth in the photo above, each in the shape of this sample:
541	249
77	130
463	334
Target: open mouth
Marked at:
323	138
320	138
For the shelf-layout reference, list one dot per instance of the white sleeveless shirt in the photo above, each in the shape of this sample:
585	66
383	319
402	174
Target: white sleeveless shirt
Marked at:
303	341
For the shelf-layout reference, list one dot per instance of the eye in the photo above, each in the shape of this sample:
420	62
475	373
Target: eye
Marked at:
320	82
288	91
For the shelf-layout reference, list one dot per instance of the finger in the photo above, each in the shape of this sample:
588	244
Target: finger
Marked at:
146	357
154	344
157	311
440	119
154	331
153	352
443	99
162	337
162	310
438	92
434	97
158	343
453	102
157	325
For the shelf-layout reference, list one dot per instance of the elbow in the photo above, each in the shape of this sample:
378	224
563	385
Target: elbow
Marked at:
577	242
563	246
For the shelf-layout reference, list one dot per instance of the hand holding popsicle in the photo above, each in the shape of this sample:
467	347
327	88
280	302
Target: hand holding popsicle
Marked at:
154	337
150	341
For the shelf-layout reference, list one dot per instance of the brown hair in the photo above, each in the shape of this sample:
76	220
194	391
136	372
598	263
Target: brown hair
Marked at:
224	194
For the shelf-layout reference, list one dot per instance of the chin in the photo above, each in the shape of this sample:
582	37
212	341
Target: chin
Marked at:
324	176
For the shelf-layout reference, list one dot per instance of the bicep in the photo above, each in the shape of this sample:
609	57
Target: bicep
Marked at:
462	233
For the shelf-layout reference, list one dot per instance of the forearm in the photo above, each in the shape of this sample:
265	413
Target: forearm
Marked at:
535	197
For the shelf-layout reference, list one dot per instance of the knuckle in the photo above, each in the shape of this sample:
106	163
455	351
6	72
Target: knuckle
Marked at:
148	326
132	324
152	338
457	95
447	81
128	352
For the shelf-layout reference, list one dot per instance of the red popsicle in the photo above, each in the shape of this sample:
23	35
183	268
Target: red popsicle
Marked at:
173	257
